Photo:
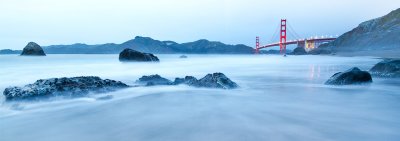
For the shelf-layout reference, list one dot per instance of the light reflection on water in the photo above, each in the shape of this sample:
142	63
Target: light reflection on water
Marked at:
316	70
278	99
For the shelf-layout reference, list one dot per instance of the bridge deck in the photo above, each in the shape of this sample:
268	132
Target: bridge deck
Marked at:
297	41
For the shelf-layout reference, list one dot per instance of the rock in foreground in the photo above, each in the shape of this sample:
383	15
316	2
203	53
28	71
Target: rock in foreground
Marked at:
152	80
387	68
33	49
351	76
215	80
130	55
75	86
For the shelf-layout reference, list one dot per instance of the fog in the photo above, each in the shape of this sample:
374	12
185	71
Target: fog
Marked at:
280	98
49	22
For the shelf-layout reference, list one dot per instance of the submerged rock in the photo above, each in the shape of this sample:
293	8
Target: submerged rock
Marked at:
183	56
75	86
128	55
387	68
351	76
33	49
107	97
215	80
152	80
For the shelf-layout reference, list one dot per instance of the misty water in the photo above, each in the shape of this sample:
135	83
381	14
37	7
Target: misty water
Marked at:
280	98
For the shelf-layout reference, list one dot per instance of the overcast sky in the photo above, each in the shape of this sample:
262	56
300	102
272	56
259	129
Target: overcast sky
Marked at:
49	22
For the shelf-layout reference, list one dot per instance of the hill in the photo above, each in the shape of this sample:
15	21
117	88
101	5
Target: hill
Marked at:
376	36
149	45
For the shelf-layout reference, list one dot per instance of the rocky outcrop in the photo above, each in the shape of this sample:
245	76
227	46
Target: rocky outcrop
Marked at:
351	76
152	80
299	51
187	80
376	35
84	85
215	80
130	55
72	87
387	68
33	49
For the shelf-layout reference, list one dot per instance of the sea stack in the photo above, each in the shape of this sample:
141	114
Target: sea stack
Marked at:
130	55
33	49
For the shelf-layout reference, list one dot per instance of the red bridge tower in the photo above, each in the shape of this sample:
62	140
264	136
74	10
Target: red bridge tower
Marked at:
282	41
257	45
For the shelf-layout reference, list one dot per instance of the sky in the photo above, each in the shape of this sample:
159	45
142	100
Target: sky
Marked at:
51	22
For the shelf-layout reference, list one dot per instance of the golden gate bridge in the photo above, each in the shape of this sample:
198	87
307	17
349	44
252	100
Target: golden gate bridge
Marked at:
307	43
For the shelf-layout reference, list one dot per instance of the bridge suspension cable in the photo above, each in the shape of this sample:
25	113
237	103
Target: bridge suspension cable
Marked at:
291	30
275	35
292	35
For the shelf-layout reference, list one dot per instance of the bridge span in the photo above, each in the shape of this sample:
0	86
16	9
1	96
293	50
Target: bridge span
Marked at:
308	44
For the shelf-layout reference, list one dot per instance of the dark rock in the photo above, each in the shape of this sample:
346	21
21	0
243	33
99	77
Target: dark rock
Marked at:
183	56
188	80
75	86
152	80
299	51
387	68
351	76
33	49
133	55
215	80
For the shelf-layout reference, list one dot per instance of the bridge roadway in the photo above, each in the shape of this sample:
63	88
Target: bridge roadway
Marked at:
299	41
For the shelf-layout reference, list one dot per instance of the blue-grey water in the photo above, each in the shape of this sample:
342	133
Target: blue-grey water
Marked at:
280	98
